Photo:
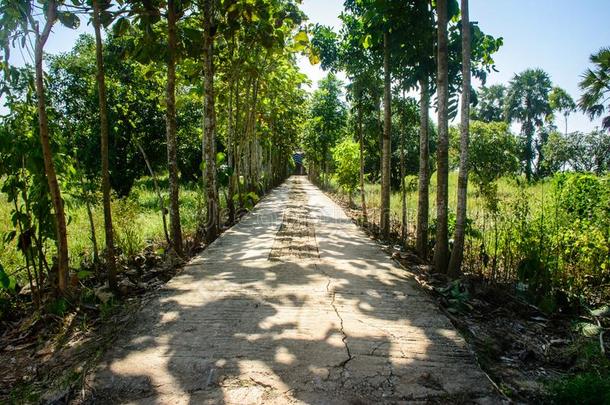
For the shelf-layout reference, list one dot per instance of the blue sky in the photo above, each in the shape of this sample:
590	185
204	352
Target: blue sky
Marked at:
555	35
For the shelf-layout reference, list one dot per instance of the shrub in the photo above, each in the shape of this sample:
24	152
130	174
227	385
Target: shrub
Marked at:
347	165
582	195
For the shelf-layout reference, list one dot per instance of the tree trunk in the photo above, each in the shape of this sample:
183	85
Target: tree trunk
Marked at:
157	190
253	143
209	122
230	153
424	173
441	249
403	188
87	195
457	254
238	150
361	141
170	125
529	138
101	84
49	166
96	254
386	147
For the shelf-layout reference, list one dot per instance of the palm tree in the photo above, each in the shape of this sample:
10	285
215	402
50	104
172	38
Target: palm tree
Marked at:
527	102
562	102
490	103
596	86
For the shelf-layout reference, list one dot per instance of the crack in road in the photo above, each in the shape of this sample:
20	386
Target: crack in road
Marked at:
341	330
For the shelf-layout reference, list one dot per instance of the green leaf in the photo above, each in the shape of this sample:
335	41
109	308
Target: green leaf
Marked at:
367	42
68	19
9	236
601	312
106	18
588	329
220	158
5	281
314	59
301	37
121	26
83	274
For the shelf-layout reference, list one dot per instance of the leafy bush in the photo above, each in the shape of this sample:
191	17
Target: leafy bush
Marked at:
552	238
347	165
492	151
582	195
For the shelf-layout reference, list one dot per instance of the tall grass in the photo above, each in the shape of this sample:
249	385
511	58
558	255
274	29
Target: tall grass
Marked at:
526	235
137	222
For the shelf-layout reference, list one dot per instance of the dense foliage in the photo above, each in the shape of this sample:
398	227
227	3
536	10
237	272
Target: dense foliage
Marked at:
517	229
119	87
176	116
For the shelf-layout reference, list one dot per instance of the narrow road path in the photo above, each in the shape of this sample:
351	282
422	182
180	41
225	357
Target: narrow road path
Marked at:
292	305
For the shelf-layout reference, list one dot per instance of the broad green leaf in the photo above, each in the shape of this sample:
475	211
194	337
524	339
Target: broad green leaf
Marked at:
367	42
121	26
68	19
314	59
588	329
602	311
301	37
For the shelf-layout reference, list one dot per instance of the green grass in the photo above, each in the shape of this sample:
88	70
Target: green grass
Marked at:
10	258
137	222
528	233
587	388
507	190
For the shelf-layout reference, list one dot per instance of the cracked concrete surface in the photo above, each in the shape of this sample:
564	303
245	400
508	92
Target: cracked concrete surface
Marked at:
293	305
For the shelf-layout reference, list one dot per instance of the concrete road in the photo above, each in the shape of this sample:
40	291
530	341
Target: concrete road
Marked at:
293	305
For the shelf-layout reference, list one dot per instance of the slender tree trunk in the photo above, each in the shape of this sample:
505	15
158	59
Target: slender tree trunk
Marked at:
361	141
441	249
49	166
529	155
403	188
96	254
529	138
457	254
380	138
386	147
158	191
209	122
106	198
424	173
230	153
238	165
170	125
254	155
86	196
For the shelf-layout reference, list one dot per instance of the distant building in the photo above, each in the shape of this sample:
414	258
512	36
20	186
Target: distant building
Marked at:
299	169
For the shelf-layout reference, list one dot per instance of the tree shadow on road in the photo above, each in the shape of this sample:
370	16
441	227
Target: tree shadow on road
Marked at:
345	328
